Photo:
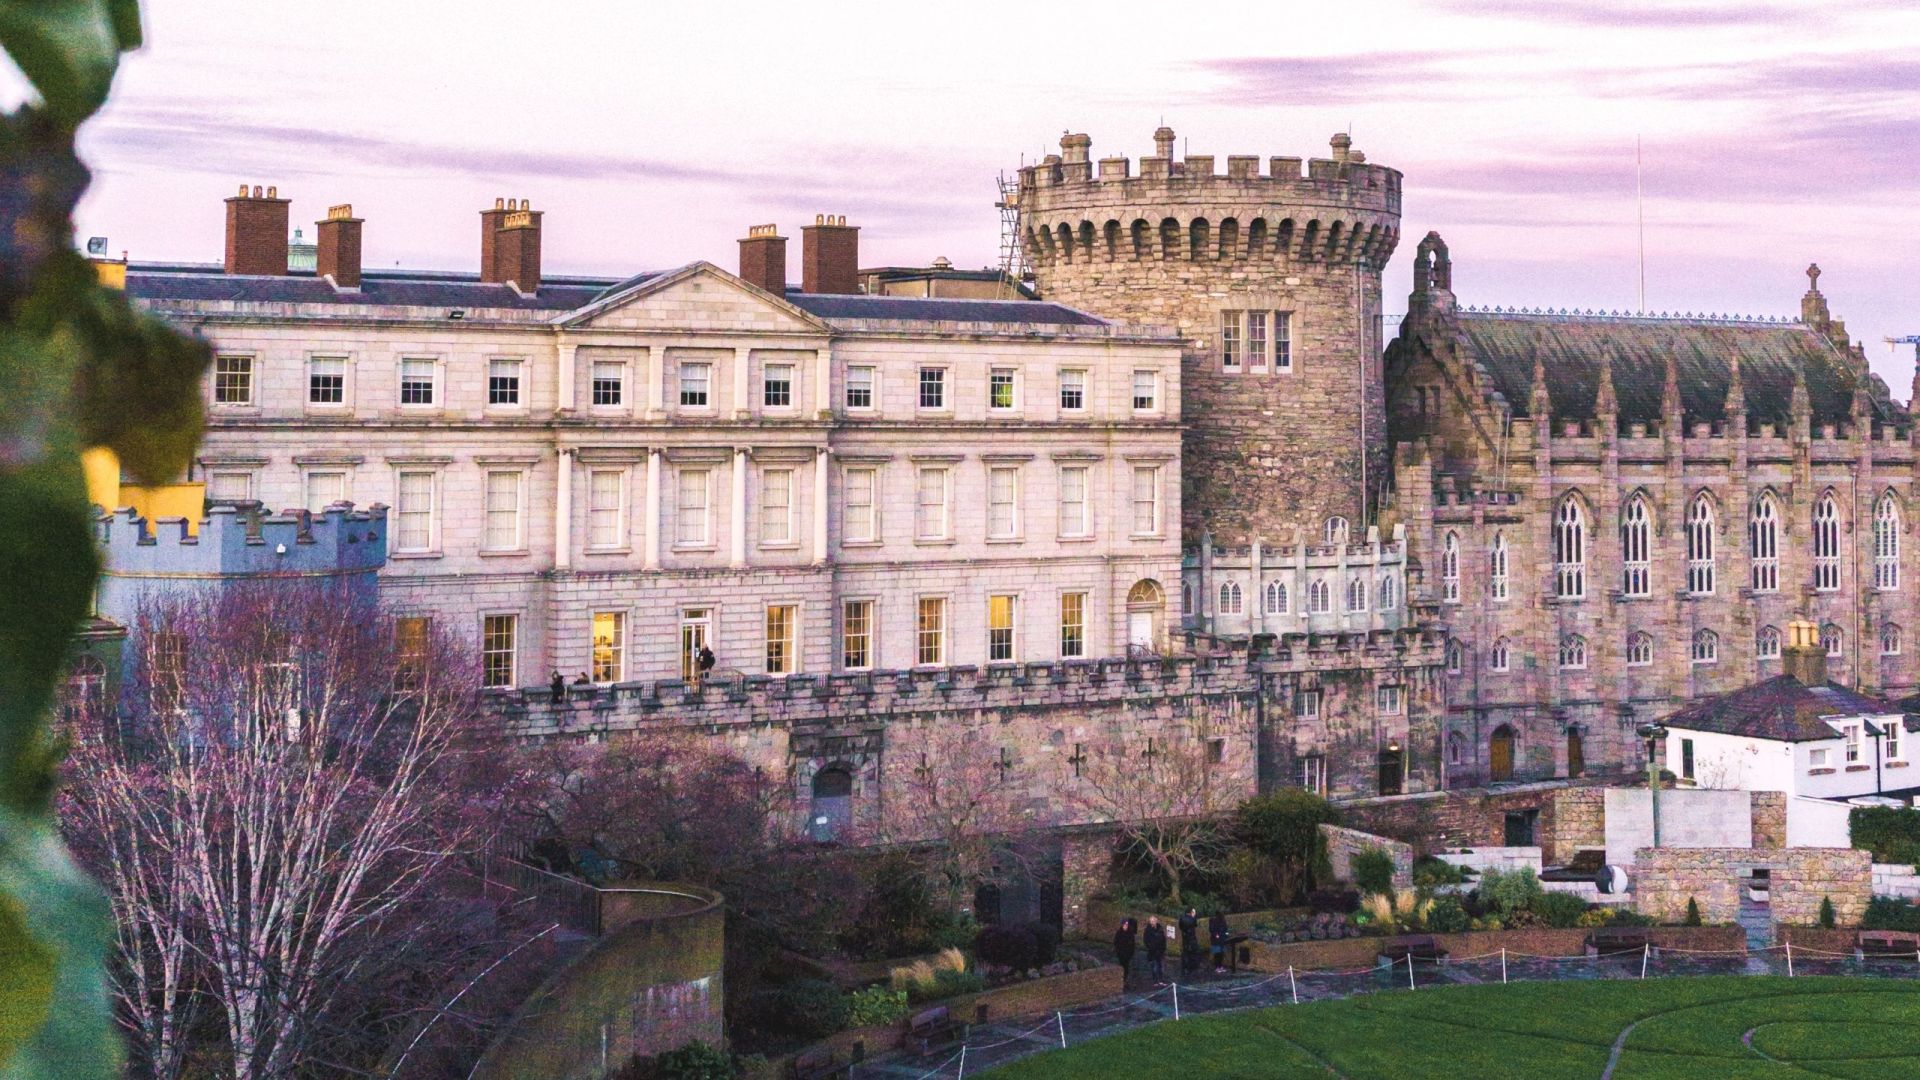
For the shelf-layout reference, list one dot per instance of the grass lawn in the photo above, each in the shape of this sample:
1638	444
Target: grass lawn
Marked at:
1723	1028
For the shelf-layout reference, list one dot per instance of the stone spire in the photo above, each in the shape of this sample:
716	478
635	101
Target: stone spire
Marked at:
1813	305
1800	406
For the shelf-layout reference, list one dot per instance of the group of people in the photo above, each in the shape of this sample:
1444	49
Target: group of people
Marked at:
1127	943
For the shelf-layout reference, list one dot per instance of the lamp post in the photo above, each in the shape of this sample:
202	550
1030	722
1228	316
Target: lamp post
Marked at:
1878	733
1653	733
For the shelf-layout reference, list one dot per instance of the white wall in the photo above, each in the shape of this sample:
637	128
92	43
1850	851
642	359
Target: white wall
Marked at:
1689	818
1738	761
1818	823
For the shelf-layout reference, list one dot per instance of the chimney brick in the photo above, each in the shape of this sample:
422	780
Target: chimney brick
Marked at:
830	256
257	232
1804	657
510	244
763	259
338	254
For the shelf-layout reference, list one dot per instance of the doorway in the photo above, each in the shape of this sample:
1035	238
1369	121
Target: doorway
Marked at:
831	814
1393	772
696	632
1146	602
1500	753
1576	753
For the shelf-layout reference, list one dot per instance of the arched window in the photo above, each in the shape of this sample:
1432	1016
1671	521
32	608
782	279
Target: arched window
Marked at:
1277	601
1186	598
1497	567
1889	639
1763	540
1832	640
831	815
1826	544
1230	598
84	694
1886	544
1456	656
1497	659
1570	550
1456	748
1639	649
1389	592
1700	545
1357	594
1319	596
1706	647
1336	530
1573	651
1766	643
1450	569
1636	567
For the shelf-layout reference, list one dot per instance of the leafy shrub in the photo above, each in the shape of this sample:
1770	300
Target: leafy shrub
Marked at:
1284	852
1826	913
1447	916
875	1005
1334	901
953	932
694	1061
1373	871
897	916
1430	871
804	1008
1693	913
1890	913
1560	910
1629	917
1892	833
1511	891
930	980
1252	880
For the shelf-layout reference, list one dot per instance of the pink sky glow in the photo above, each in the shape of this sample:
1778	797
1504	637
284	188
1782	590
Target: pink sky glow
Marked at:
1774	134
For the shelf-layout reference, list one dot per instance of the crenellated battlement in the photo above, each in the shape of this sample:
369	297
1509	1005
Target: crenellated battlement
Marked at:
236	542
1337	210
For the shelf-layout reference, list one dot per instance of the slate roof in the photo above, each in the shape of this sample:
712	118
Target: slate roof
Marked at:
1780	708
394	288
923	309
1572	347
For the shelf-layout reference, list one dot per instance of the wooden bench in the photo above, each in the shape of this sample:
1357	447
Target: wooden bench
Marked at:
1890	943
819	1063
933	1027
1418	946
1611	940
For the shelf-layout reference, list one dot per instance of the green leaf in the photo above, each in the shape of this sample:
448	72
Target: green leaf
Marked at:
55	1007
27	994
69	49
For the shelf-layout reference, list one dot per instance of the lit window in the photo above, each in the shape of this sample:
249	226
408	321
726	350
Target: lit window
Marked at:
1636	548
1832	640
1497	567
1073	501
1230	340
606	508
1000	627
1073	625
1706	647
1000	388
412	647
691	519
414	511
1570	550
1003	503
856	635
933	388
1766	643
931	631
776	386
696	386
1639	649
1277	601
1573	651
1450	569
858	522
327	380
416	382
502	531
503	382
1826	544
1700	523
1230	598
1763	537
930	505
782	625
860	387
1146	391
609	382
1886	544
776	506
324	488
1146	500
497	650
1073	391
609	646
1499	658
233	380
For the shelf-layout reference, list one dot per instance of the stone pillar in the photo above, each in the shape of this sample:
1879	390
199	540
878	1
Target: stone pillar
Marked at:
1257	623
738	523
564	402
742	405
563	508
823	384
820	471
651	542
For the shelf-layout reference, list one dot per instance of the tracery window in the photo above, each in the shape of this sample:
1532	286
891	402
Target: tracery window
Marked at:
1450	569
1766	643
1706	647
1636	568
1230	601
1832	640
1886	544
1357	594
1890	639
1276	599
1700	545
1570	550
1497	567
1319	597
1456	656
1498	658
1826	544
1639	649
1763	542
1573	651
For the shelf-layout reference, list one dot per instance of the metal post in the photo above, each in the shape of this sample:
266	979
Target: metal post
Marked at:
1789	958
1645	952
1062	1017
1503	967
963	1063
1176	1001
1410	985
1296	985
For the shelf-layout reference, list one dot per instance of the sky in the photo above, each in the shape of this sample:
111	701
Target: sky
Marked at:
1771	134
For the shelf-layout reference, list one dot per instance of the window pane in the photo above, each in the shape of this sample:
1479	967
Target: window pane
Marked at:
1146	500
692	507
1000	388
413	505
1282	340
605	488
1146	390
1000	627
932	630
326	381
781	626
416	382
1073	501
324	489
933	388
776	506
931	508
1073	390
694	384
777	386
859	388
858	523
497	650
233	380
609	645
503	382
1256	341
1002	503
1073	625
609	378
1229	341
856	634
227	486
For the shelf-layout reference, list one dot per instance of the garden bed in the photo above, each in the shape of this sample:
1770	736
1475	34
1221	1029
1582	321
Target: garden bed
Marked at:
1533	941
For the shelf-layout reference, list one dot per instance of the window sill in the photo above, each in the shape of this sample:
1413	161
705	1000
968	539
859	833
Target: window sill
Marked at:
862	543
780	545
607	551
504	553
1075	539
415	554
1820	772
1006	539
933	541
338	408
1858	768
694	548
218	409
1147	536
1893	765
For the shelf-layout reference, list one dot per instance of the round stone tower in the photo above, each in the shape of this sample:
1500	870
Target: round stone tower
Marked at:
1274	280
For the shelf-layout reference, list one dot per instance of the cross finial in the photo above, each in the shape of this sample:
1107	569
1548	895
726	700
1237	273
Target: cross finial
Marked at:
1813	277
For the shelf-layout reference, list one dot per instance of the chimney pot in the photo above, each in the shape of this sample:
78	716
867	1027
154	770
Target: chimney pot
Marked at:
510	244
1804	657
830	255
337	250
256	240
763	259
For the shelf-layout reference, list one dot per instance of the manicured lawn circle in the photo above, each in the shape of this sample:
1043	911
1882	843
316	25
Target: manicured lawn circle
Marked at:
1682	1029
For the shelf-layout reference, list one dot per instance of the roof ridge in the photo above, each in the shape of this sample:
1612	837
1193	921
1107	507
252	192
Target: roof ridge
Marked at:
1637	316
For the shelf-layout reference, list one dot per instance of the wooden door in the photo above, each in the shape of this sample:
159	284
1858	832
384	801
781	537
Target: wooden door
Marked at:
1502	753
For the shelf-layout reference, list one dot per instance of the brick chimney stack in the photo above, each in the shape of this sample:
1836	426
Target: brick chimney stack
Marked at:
1804	657
830	256
763	259
257	232
510	244
338	254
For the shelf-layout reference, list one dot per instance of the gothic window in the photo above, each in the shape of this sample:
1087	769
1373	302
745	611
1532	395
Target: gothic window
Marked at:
1497	567
1832	640
1636	571
1357	594
1456	748
1886	544
1319	597
1498	658
1826	544
1639	649
1456	656
1276	601
1889	639
1186	598
1700	545
1230	598
1570	550
1450	569
1766	643
1336	530
1573	651
1706	647
1389	592
1763	539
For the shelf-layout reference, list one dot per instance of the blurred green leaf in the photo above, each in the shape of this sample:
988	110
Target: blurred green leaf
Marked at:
55	1013
28	990
69	49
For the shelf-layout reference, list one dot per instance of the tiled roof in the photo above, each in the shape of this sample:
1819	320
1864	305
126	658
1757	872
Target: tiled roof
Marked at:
377	287
1781	708
1571	348
832	306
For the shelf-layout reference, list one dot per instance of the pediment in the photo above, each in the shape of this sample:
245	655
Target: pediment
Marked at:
696	297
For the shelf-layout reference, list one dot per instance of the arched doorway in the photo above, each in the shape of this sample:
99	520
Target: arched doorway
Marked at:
1392	764
1501	753
831	816
1146	608
1576	753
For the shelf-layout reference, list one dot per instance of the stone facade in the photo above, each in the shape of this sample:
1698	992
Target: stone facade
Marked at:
1800	878
1564	819
1806	876
1769	819
1343	844
1279	439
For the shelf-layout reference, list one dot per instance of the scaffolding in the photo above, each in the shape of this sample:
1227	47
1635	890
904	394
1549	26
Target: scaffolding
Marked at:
1013	253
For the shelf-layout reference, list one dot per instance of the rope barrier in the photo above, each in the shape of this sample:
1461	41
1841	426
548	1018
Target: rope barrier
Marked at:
940	1068
1005	1042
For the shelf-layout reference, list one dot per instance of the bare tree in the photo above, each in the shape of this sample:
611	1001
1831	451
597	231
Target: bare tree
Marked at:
284	778
960	801
1162	794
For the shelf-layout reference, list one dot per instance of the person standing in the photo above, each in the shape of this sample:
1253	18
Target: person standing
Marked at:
705	665
1190	942
1157	932
1217	933
1124	944
559	688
